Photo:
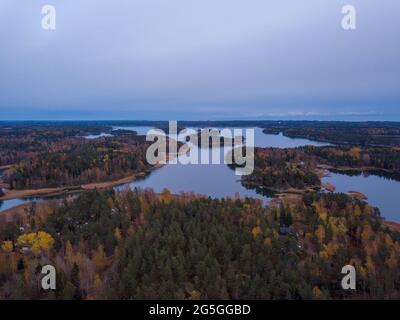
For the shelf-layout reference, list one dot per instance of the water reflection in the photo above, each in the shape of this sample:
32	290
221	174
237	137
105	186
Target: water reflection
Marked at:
220	181
382	192
213	180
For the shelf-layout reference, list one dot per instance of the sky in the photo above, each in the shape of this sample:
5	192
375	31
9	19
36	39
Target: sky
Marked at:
199	60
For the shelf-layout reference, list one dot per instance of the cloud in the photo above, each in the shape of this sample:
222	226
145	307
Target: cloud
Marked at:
205	58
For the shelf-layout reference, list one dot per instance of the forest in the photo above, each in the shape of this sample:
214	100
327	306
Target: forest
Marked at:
136	244
381	134
357	157
42	155
22	140
90	161
281	169
139	245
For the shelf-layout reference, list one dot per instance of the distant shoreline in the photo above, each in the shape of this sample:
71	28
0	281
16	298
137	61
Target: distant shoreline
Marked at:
49	192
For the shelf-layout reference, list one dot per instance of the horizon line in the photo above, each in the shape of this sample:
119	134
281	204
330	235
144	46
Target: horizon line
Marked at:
183	120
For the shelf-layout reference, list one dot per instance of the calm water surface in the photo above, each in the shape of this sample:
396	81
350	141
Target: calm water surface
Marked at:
220	181
95	136
213	180
382	192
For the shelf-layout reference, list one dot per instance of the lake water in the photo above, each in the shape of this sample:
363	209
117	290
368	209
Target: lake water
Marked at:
261	139
217	180
95	136
382	192
220	181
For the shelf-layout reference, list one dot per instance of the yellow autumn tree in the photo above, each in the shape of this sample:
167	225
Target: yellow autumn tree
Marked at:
7	246
256	231
331	248
338	226
355	153
26	239
323	215
100	258
37	242
166	195
367	232
357	210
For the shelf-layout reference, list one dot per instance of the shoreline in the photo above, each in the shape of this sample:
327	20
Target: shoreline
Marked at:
44	192
289	194
49	192
58	191
322	170
357	169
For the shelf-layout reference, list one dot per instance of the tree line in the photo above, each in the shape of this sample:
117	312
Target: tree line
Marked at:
139	245
97	160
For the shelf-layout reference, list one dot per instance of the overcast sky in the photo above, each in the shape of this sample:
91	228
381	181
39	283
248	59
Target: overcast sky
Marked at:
199	59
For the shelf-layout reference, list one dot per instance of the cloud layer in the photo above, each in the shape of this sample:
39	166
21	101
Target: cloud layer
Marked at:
199	59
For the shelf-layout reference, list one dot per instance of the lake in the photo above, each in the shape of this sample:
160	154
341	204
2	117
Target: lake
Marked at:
220	181
382	192
217	180
95	136
212	180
